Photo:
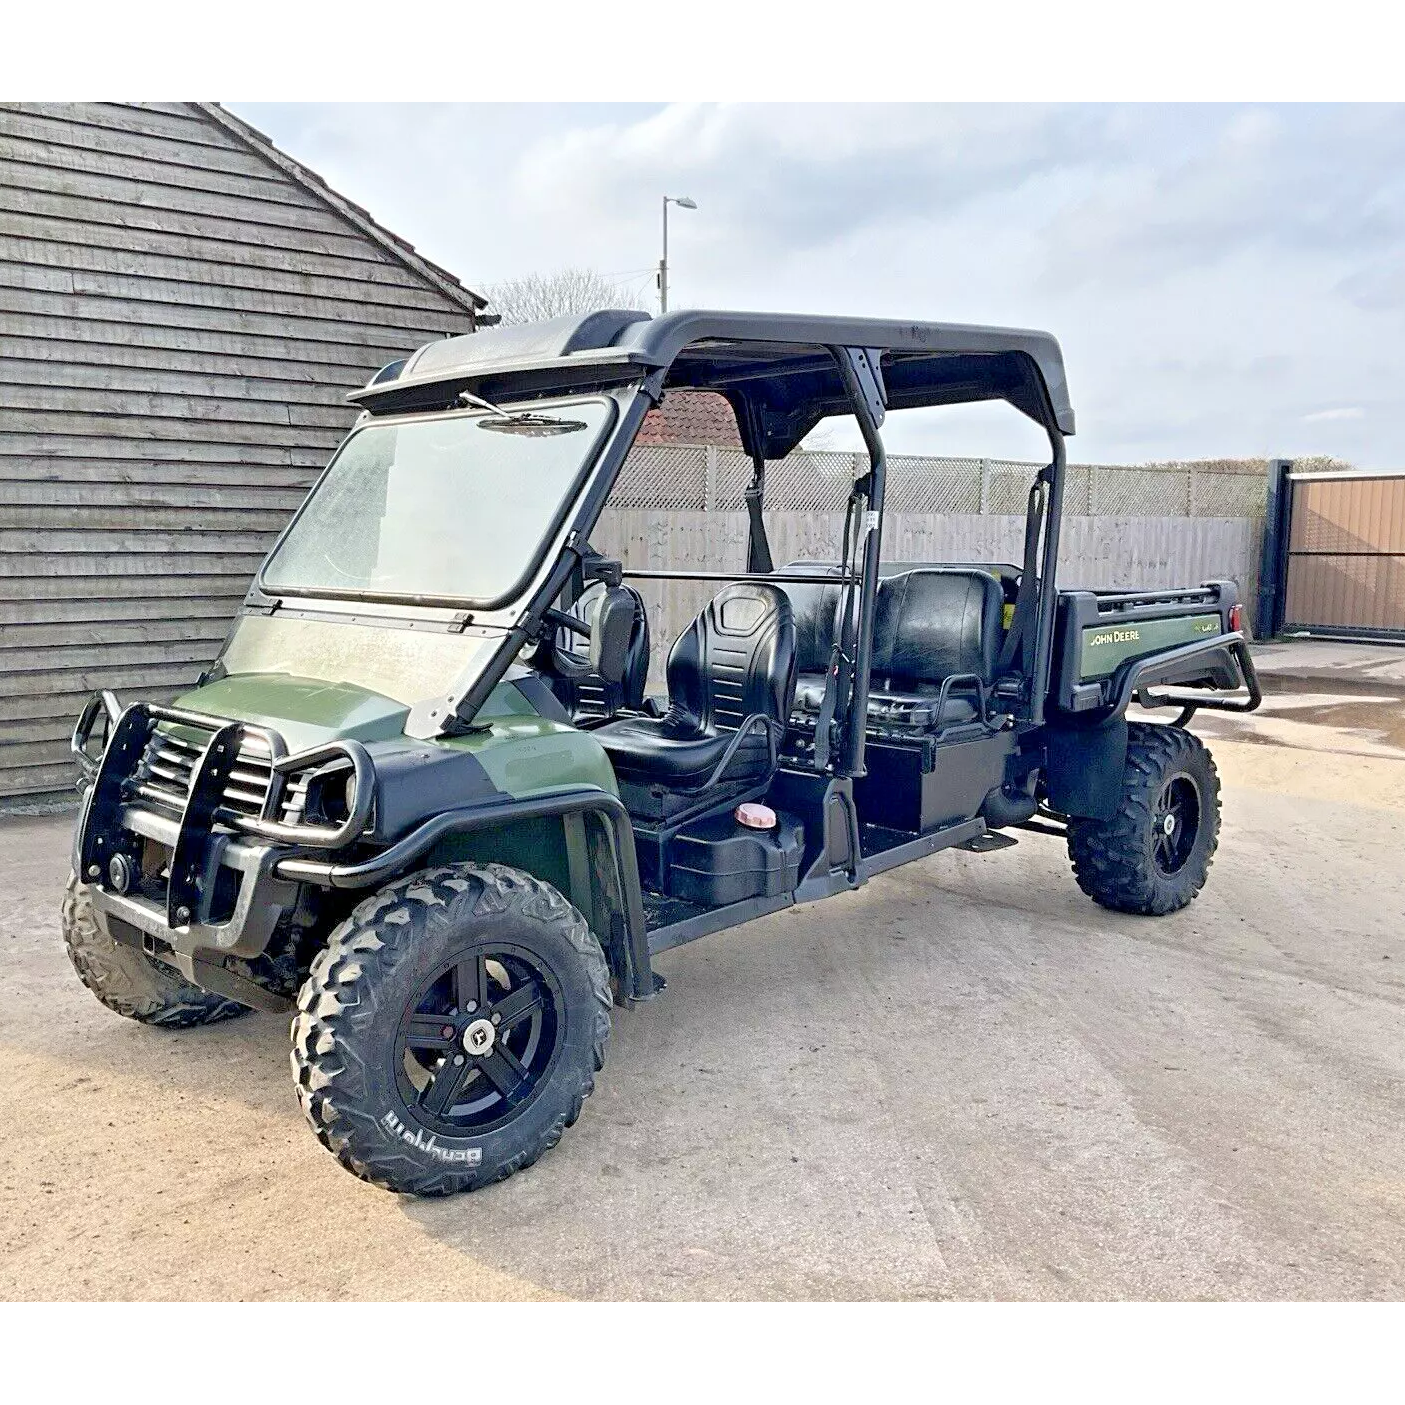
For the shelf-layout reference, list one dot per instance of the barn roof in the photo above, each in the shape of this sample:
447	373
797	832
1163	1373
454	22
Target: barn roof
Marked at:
305	176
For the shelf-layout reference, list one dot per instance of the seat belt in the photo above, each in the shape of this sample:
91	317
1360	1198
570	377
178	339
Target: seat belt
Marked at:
1019	638
758	549
834	684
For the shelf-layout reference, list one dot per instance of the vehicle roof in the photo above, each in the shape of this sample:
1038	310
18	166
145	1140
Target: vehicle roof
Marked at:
771	366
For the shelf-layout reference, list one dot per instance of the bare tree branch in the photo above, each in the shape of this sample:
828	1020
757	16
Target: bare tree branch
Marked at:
537	296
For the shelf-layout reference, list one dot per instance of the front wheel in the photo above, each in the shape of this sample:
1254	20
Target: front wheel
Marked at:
127	980
451	1029
1153	855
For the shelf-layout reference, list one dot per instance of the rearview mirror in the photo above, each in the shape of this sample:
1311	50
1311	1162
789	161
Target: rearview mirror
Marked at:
610	633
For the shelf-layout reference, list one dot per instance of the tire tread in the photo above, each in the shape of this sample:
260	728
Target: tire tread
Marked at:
128	981
340	998
1109	858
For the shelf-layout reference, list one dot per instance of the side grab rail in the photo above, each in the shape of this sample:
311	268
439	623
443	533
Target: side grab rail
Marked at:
774	732
1133	689
964	682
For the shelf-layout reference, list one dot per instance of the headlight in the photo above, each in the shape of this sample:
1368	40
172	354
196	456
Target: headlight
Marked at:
331	795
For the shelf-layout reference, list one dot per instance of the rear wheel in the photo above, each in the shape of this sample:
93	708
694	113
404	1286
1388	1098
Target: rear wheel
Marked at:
450	1031
128	980
1153	855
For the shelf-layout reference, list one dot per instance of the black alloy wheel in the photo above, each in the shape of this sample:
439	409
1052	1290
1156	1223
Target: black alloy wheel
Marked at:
478	1039
1175	824
451	1029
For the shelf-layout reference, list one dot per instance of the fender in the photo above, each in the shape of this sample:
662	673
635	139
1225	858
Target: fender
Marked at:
1085	758
636	975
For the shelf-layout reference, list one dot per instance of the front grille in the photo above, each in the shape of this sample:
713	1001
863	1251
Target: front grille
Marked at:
294	801
169	761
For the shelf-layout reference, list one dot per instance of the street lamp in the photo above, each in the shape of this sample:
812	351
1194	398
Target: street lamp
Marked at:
684	203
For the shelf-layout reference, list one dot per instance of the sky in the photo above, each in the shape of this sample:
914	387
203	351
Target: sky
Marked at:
1225	280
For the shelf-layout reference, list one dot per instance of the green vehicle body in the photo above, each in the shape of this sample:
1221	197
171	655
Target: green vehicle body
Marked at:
388	691
1105	648
525	755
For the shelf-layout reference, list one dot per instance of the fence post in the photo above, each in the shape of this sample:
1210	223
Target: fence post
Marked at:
985	486
710	490
1273	570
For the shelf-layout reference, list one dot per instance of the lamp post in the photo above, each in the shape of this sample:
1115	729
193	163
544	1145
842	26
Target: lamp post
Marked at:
683	202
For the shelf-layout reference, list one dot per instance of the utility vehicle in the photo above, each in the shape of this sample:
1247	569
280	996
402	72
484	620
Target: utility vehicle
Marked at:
424	801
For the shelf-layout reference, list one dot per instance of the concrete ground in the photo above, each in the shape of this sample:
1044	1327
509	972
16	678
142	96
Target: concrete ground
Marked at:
1337	661
963	1081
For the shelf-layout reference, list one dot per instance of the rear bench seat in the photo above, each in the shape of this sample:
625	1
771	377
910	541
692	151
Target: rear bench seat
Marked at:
930	624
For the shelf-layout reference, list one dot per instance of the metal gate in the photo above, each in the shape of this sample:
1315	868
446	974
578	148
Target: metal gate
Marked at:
1346	554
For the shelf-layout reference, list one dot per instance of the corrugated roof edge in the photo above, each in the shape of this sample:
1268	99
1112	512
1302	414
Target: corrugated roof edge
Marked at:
401	249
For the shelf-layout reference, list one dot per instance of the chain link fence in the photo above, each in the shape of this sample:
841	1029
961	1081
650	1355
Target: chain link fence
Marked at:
693	478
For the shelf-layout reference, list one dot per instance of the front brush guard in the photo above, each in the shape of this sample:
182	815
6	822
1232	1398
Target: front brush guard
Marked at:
113	784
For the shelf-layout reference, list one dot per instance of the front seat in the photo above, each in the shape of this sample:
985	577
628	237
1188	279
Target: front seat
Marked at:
582	691
730	678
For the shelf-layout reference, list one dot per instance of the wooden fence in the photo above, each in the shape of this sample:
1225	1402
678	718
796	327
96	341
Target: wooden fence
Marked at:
1138	527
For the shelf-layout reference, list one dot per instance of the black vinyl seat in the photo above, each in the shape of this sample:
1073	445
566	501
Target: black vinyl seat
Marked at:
931	625
816	609
734	665
581	690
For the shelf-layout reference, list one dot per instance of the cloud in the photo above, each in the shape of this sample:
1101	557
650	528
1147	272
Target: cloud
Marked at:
803	176
1206	183
1223	279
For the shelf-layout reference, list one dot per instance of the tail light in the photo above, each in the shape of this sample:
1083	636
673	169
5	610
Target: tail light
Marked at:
1236	616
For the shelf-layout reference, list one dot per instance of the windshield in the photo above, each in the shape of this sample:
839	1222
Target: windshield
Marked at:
455	508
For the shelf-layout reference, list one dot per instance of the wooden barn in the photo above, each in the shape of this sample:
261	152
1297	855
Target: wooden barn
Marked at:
182	310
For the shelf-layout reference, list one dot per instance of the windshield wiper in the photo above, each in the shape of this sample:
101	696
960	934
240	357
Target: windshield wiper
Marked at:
469	398
519	421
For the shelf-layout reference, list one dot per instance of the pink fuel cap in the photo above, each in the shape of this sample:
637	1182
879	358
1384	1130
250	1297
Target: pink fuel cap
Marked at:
754	815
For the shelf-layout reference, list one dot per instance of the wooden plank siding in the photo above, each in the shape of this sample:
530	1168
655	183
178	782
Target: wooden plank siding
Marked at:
182	311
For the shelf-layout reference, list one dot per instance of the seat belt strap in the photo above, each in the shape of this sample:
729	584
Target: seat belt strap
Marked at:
758	549
836	678
825	721
1019	638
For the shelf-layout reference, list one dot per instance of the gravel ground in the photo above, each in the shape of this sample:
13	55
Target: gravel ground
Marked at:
963	1081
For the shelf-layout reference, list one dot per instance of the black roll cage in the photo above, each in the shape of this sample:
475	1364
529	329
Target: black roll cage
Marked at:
782	375
780	387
